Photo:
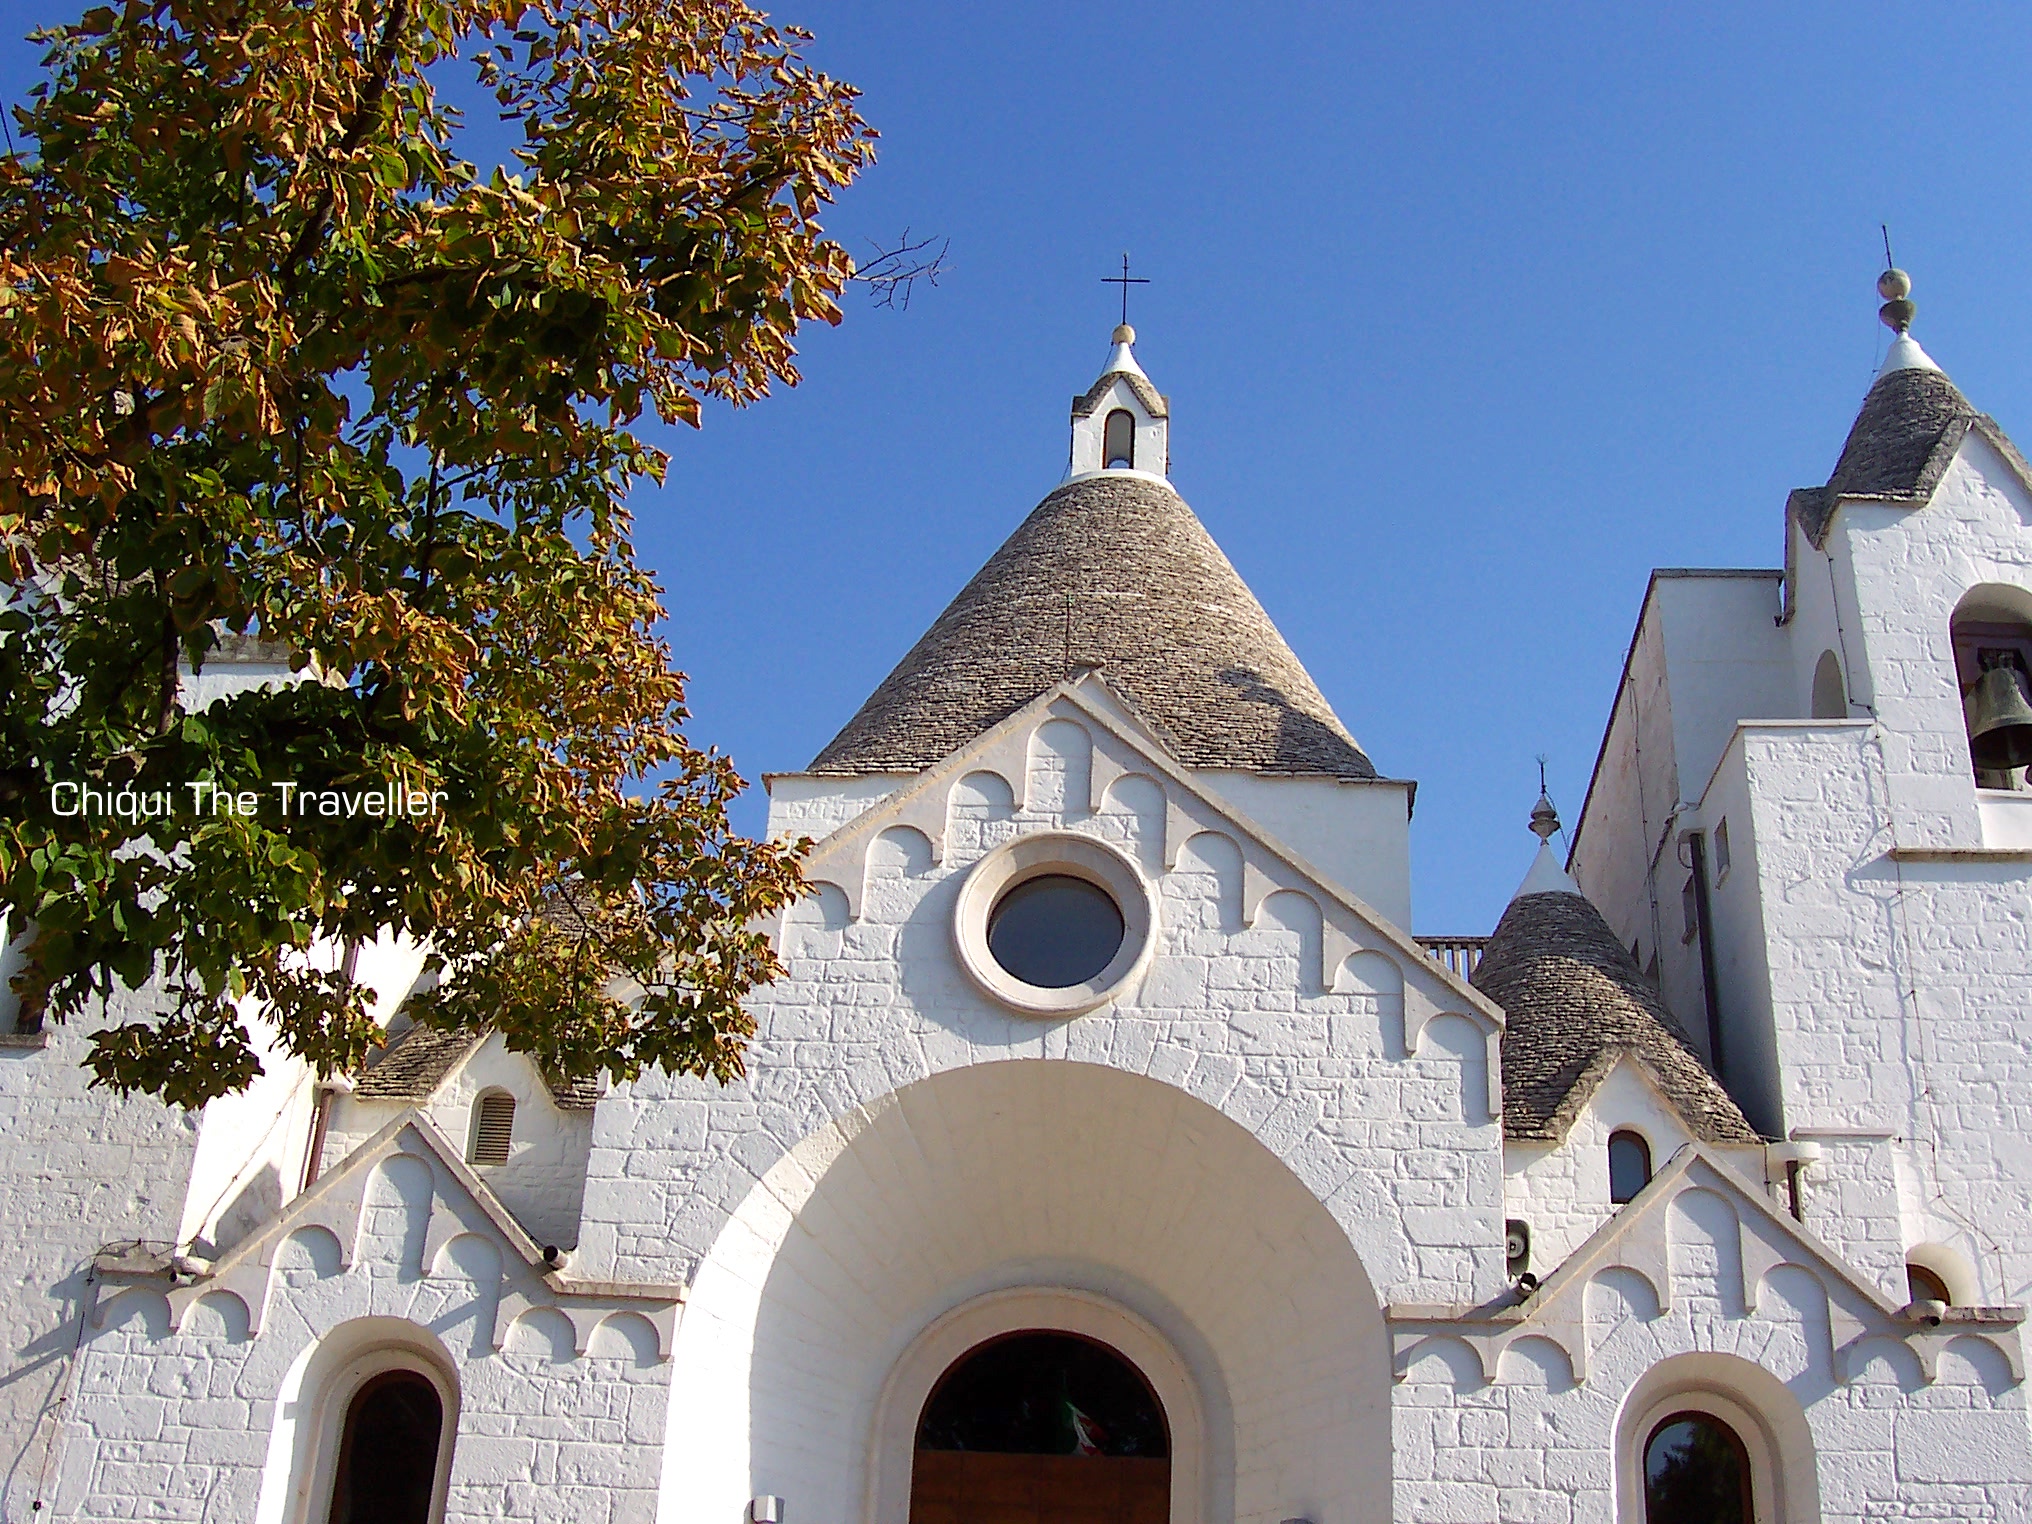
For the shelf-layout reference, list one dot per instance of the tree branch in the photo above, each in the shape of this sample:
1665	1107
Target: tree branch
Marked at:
893	273
365	114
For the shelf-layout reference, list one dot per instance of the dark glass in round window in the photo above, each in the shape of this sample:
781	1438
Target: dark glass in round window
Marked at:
1055	931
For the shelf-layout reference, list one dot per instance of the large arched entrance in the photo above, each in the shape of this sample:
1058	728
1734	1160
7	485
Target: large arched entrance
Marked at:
969	1205
1042	1427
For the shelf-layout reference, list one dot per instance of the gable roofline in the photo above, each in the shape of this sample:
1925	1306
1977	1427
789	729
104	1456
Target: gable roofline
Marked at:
1813	508
1555	1311
336	1204
1612	1056
1155	404
886	812
417	1077
363	1158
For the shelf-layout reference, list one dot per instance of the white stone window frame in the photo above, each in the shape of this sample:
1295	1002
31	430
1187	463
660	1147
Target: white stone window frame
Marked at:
948	1339
1782	1485
1036	856
1652	1154
475	1119
334	1371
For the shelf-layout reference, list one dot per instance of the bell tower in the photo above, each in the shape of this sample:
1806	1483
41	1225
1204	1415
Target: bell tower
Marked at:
1121	423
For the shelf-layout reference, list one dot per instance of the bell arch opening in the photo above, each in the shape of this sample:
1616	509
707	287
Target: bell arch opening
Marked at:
1040	1425
1991	636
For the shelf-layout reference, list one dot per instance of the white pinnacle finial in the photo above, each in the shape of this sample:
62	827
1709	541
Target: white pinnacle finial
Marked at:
1123	356
1546	875
1895	287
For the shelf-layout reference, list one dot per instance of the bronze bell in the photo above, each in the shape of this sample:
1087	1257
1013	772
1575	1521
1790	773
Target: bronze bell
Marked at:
1999	722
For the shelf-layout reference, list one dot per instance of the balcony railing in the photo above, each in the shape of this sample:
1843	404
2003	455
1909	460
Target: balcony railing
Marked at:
1460	954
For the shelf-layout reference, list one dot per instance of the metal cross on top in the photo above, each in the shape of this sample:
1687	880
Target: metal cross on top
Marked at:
1125	280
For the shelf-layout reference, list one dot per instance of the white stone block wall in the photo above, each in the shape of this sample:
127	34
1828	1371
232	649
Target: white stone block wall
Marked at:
83	1168
871	1004
1845	1416
210	1418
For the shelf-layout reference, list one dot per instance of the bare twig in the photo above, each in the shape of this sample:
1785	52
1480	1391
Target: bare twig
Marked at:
892	274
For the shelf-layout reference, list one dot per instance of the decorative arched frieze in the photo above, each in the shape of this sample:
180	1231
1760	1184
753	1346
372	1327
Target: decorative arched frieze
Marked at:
1121	744
628	1335
1952	1265
897	852
455	1205
1298	913
1465	1040
1058	770
1550	1357
980	809
215	1315
1753	1242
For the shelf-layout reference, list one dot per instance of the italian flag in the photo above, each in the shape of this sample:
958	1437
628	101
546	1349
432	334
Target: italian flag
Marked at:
1087	1436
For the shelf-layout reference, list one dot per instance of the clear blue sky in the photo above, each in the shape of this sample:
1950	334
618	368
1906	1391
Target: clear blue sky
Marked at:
1469	317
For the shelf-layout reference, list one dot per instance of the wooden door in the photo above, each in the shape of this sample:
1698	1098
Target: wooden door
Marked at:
973	1487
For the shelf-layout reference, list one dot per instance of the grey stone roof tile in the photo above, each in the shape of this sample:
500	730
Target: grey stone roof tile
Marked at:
1154	403
1911	423
1573	1002
411	1068
1154	606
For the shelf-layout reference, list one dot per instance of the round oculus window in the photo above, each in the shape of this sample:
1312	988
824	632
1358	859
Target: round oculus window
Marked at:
1055	931
1055	924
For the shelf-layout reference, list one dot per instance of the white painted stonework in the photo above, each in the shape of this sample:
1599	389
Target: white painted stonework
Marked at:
1262	1157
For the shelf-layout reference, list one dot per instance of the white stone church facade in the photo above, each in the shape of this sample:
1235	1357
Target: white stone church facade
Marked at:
1105	1062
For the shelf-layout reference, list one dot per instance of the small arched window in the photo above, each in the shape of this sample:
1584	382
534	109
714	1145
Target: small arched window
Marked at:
1924	1285
1629	1165
493	1129
1118	441
387	1467
1696	1471
1830	693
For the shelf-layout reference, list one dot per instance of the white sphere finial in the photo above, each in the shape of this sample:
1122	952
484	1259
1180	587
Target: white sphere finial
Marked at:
1123	334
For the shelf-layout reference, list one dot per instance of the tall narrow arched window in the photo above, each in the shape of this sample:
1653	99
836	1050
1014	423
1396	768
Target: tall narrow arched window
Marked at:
493	1129
1118	441
1830	693
1629	1165
1696	1471
387	1467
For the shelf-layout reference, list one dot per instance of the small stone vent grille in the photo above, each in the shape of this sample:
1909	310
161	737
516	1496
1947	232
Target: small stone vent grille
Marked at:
493	1128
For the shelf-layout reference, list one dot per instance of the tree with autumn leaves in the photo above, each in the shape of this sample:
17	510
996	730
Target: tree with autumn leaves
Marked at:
278	365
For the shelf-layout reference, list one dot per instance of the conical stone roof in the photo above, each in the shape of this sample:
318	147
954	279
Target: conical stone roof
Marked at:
1112	572
1574	1002
1912	421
